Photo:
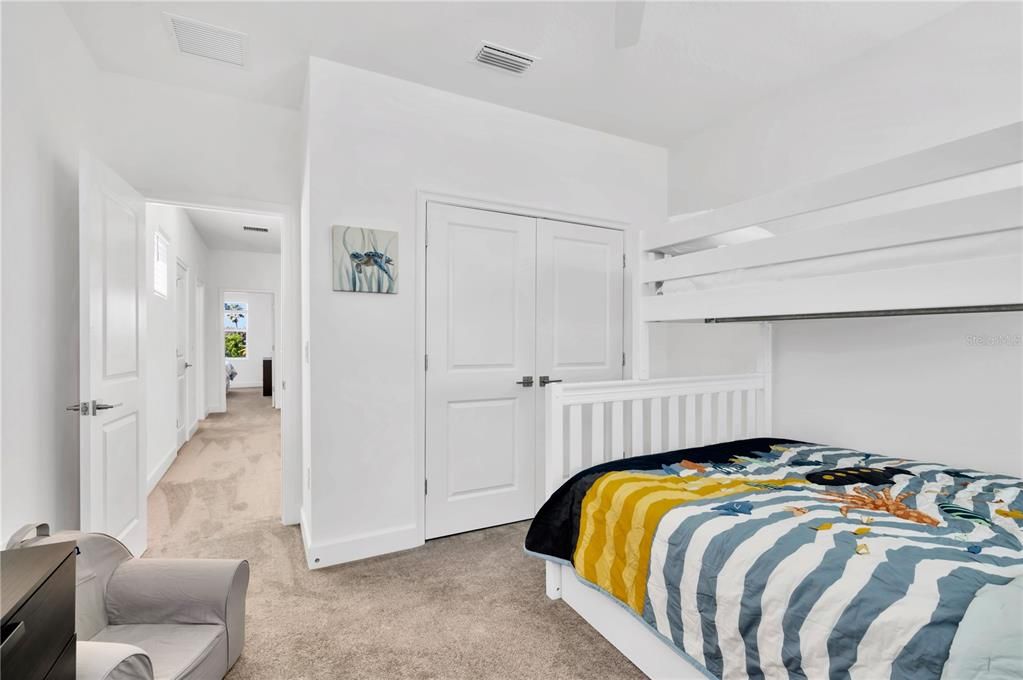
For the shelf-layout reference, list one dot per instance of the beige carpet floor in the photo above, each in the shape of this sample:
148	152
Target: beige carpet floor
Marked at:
467	606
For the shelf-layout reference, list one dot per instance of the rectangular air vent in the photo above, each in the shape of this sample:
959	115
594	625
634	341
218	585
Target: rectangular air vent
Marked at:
496	56
248	228
208	41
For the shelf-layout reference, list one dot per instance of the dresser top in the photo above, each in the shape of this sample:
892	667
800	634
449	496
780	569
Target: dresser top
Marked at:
23	570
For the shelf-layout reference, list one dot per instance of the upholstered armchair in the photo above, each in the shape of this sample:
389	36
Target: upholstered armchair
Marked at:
152	618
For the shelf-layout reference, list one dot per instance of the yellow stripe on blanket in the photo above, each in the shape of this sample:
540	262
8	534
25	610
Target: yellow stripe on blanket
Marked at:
619	515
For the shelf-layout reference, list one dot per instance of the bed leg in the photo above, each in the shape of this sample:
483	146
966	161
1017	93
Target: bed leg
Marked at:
553	580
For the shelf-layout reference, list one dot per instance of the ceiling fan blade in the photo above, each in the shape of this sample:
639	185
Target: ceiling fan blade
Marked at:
628	22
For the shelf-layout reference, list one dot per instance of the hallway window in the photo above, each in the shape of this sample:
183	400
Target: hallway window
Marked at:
236	326
160	272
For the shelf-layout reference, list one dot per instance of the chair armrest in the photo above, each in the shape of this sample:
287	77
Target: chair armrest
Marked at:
200	591
111	661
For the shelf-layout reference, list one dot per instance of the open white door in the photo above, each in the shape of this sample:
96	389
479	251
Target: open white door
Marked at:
112	248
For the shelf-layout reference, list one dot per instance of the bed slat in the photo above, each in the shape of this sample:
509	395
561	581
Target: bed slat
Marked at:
706	418
736	431
751	414
690	420
617	430
673	439
656	442
575	436
597	436
721	434
637	428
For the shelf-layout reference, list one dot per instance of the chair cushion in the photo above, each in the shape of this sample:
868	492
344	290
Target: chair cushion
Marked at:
196	652
111	661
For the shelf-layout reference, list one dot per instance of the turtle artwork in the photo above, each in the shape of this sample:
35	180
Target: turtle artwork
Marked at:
365	260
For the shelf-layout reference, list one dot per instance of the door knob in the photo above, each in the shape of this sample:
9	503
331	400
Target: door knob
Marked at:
81	407
527	381
103	407
188	365
544	380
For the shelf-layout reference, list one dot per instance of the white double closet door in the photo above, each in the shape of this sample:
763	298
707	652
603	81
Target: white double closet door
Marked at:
511	301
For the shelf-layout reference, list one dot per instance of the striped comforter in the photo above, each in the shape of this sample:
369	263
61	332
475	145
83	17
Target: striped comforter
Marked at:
785	560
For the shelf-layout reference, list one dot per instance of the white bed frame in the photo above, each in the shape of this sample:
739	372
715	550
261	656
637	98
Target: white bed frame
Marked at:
964	188
612	420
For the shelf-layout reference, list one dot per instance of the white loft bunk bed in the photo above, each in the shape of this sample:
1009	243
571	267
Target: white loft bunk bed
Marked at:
936	231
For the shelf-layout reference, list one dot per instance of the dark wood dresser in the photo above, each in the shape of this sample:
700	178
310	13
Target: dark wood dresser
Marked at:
37	633
268	377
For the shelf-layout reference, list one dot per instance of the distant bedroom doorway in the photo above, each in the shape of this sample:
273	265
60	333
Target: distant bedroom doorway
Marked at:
249	342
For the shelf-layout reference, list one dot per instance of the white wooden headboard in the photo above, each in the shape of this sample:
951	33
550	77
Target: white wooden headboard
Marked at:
590	423
964	197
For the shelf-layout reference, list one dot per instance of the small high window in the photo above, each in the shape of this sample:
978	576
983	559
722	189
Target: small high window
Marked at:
236	327
161	273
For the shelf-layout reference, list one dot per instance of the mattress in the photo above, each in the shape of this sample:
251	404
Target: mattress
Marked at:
949	250
769	558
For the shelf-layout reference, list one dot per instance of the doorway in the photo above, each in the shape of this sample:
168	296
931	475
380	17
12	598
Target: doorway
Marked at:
184	353
513	302
250	332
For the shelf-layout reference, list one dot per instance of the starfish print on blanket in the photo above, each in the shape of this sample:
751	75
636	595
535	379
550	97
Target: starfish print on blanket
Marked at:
882	501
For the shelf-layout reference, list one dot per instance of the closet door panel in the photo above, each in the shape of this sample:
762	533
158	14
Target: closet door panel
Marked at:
579	312
480	430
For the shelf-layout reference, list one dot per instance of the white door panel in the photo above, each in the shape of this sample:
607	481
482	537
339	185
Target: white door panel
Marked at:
182	325
580	308
481	278
112	319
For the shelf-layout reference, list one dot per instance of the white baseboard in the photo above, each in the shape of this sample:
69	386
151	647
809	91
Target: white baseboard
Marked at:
161	469
193	429
247	385
358	547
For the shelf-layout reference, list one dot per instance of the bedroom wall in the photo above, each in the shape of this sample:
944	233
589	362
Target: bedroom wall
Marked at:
48	84
374	141
259	338
161	322
912	387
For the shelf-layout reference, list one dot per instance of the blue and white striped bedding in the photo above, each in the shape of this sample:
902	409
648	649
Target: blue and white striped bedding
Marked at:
783	582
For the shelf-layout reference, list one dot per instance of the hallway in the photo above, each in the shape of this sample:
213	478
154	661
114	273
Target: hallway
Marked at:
466	606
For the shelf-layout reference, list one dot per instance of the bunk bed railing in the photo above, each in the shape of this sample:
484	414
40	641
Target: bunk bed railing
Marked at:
591	423
950	193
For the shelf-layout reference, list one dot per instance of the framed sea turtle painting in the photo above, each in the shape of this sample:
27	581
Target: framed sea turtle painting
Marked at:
365	260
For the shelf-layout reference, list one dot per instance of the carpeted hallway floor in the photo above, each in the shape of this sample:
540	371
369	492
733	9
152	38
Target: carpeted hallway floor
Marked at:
468	606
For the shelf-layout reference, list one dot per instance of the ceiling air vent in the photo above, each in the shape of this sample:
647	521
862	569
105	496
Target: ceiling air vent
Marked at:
208	41
248	228
496	56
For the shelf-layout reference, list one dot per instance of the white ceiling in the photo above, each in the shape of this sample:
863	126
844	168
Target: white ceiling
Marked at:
222	230
695	62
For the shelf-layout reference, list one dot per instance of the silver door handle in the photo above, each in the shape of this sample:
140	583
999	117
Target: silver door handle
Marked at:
527	381
188	365
81	407
103	407
544	380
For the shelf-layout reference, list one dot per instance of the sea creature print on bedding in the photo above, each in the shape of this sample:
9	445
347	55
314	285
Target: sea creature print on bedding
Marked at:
772	570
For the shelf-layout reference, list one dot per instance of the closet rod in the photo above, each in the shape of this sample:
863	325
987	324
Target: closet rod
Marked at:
972	309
